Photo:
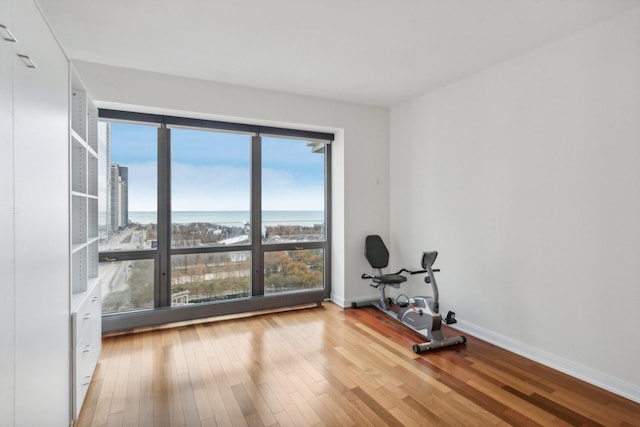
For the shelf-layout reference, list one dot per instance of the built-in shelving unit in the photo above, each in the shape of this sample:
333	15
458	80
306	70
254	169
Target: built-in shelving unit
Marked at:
86	305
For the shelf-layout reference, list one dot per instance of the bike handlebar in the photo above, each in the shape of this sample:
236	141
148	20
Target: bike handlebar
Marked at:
371	276
422	271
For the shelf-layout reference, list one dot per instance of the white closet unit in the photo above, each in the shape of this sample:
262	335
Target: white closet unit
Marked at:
7	250
34	221
86	303
50	294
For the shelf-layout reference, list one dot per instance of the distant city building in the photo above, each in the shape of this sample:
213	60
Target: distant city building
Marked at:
124	197
119	206
104	179
117	188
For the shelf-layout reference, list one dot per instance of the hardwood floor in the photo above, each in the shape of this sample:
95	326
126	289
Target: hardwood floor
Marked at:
333	367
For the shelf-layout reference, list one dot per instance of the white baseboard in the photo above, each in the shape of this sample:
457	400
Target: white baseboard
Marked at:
344	303
338	300
584	373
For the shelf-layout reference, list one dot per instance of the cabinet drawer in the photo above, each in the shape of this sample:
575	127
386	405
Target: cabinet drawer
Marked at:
87	318
87	337
85	360
79	393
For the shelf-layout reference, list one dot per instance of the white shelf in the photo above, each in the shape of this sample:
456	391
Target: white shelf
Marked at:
79	270
78	139
79	112
84	188
92	130
75	300
92	174
93	282
92	211
75	247
92	262
85	299
79	167
79	219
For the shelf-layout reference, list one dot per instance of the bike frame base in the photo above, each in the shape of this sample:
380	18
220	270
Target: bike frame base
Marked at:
436	340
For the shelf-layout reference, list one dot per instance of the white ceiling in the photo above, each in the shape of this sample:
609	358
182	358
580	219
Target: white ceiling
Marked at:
375	52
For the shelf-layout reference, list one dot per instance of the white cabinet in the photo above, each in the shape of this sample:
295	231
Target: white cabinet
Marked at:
86	306
48	228
84	194
38	197
87	342
7	255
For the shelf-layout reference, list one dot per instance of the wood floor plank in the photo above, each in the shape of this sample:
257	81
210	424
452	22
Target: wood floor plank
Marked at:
334	367
625	411
174	403
189	402
378	408
270	397
120	386
338	416
244	402
419	411
552	407
295	415
344	400
215	397
116	419
231	405
532	412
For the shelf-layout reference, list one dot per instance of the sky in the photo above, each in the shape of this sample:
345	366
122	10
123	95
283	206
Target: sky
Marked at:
211	170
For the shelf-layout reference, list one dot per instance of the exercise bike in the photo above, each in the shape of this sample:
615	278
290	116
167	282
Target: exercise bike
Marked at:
422	314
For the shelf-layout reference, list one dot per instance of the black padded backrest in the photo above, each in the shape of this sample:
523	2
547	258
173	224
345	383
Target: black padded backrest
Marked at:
428	258
376	252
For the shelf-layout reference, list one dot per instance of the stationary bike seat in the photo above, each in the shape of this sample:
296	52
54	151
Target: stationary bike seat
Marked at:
390	279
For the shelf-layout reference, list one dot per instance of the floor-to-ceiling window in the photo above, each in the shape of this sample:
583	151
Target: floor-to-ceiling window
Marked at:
293	211
201	218
210	216
128	212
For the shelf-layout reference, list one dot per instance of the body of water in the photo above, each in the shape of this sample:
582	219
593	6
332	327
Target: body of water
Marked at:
233	218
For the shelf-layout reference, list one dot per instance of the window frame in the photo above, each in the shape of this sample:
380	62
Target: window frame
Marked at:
163	313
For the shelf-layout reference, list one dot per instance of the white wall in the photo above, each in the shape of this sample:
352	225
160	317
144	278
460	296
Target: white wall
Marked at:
526	178
360	152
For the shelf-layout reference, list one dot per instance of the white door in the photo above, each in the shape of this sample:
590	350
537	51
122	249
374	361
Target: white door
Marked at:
6	216
42	318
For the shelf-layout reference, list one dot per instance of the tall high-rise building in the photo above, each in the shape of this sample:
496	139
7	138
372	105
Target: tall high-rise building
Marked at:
119	209
104	180
124	199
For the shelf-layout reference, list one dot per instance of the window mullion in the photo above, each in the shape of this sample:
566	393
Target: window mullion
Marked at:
163	283
257	282
327	220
